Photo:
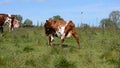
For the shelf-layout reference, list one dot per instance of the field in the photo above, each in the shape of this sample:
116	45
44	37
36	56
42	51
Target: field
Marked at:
27	48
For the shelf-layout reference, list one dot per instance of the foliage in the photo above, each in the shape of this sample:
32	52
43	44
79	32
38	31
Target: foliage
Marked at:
112	22
27	23
19	18
107	23
115	16
57	17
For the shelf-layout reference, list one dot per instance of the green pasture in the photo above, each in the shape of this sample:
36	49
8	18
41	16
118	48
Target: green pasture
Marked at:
27	48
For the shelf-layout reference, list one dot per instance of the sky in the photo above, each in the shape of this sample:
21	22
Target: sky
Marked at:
89	12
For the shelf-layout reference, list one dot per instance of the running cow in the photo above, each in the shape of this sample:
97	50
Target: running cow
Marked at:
61	29
7	19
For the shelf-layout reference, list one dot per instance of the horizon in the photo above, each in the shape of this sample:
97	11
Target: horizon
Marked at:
87	11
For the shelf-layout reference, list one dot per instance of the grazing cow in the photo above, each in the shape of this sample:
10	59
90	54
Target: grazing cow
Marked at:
60	29
7	19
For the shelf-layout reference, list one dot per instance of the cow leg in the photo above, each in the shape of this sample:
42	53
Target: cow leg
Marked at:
1	29
76	38
11	26
51	39
62	40
10	29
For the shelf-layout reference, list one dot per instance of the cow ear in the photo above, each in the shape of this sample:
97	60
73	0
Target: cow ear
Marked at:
46	20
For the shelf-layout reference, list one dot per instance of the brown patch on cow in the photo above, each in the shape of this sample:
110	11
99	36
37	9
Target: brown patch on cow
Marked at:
2	20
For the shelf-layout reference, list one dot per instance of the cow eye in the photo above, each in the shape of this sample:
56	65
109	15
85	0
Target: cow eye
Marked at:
8	20
48	29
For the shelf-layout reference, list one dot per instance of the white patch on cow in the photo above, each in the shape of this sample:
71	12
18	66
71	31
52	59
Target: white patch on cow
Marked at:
10	27
63	36
52	38
69	34
16	25
60	33
8	20
9	15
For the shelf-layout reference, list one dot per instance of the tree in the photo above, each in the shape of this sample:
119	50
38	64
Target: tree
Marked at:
57	17
115	17
19	17
107	23
112	22
28	23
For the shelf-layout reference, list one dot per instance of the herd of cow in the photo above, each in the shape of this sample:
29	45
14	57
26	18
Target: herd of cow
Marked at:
53	28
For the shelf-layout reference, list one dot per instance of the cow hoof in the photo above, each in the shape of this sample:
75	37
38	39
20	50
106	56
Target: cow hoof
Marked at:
79	47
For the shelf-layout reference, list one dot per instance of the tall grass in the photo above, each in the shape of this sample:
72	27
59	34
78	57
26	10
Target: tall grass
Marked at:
27	48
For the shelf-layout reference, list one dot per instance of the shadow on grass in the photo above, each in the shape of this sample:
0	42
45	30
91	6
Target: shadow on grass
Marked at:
63	45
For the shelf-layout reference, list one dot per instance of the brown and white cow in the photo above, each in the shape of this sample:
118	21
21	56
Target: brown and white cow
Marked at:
7	19
60	29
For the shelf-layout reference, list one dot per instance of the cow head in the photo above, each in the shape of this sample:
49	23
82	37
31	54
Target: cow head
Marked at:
16	23
50	23
8	20
49	28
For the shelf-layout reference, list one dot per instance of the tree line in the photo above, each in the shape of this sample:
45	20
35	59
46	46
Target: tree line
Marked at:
26	23
113	21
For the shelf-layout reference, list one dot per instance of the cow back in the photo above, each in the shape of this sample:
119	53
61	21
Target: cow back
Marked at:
51	26
2	19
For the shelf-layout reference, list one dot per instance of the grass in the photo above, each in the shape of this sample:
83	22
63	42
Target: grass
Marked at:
27	48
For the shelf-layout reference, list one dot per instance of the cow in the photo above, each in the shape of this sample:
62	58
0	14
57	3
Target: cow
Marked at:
7	19
61	29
